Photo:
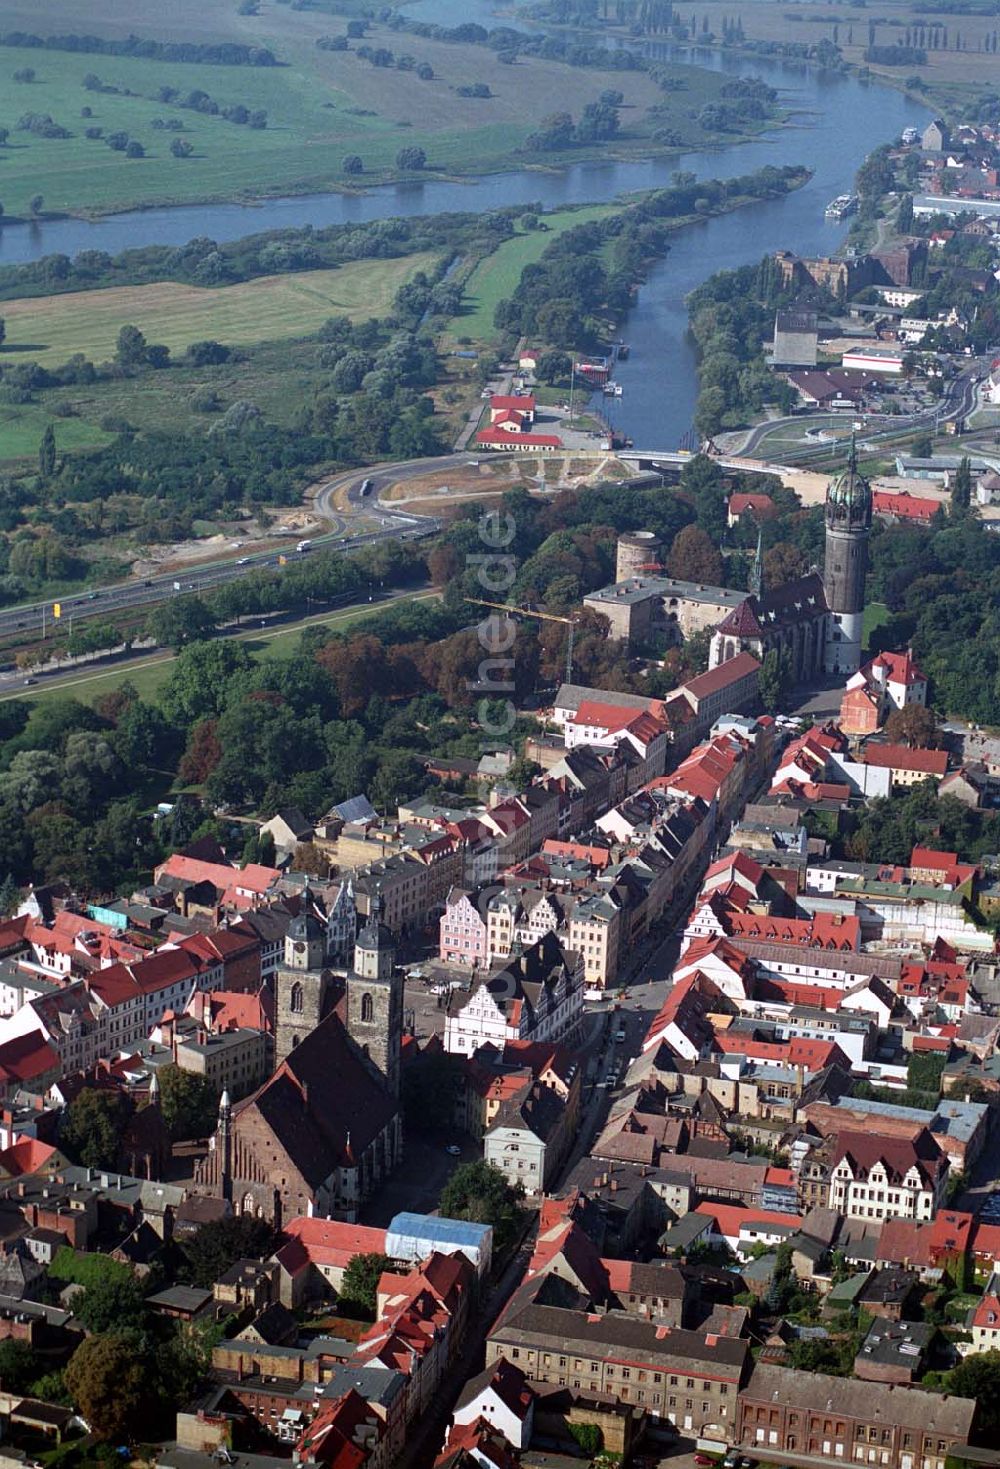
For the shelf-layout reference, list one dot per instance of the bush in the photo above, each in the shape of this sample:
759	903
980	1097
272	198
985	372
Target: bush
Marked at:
411	158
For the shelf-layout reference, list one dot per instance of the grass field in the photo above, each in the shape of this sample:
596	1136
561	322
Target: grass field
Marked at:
320	104
21	430
270	308
876	615
498	275
150	674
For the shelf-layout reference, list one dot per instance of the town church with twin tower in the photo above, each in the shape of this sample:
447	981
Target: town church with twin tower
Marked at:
322	1134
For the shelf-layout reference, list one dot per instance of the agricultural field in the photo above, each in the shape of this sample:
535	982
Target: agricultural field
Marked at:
50	329
321	105
497	277
950	76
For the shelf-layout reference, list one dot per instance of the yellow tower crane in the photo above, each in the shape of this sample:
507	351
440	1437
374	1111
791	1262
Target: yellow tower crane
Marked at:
532	615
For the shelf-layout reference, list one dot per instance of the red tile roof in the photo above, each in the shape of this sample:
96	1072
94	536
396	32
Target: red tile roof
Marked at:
522	441
722	677
901	757
903	504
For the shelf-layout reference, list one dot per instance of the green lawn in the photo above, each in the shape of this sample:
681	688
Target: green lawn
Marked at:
150	674
497	277
269	308
321	105
876	615
21	430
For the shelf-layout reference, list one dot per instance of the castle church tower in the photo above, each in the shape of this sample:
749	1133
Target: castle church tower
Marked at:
848	526
302	985
375	997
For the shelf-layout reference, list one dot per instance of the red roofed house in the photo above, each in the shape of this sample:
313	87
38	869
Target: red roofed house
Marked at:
889	681
907	767
901	505
503	405
730	688
345	1434
607	725
984	1320
316	1254
942	869
742	1229
514	443
759	507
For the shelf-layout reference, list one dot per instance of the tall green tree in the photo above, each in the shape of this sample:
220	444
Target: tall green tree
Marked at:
47	453
961	489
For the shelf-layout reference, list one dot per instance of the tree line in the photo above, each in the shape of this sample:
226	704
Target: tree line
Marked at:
219	53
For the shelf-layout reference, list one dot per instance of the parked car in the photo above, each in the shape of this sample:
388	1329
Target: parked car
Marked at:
453	1150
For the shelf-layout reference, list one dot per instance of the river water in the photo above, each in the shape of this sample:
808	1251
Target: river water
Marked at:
838	120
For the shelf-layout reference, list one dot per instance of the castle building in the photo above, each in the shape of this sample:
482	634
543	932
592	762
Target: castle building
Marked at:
321	1135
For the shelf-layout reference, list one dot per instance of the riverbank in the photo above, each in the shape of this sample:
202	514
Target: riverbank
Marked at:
112	134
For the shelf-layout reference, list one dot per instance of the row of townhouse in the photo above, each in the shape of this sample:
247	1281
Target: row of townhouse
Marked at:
113	1009
388	1378
537	996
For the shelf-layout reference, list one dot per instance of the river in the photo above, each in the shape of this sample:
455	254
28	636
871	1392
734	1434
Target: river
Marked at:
838	120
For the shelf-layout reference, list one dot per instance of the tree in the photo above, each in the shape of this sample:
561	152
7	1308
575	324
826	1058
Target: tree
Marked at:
775	679
352	164
47	453
961	490
181	148
134	149
480	1193
37	205
914	726
554	367
783	563
182	621
92	1127
694	558
978	1377
19	1366
131	347
110	1301
411	158
108	1379
922	447
359	1287
215	1247
189	1102
3	330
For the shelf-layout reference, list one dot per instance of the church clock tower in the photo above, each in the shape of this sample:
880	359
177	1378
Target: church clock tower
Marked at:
375	997
848	526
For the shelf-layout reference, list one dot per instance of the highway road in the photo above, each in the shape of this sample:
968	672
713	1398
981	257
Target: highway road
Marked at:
34	618
958	402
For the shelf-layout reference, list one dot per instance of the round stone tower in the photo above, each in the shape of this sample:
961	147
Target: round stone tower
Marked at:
848	526
637	552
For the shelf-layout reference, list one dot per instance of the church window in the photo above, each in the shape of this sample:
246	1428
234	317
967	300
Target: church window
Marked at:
296	1000
367	1008
248	1204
